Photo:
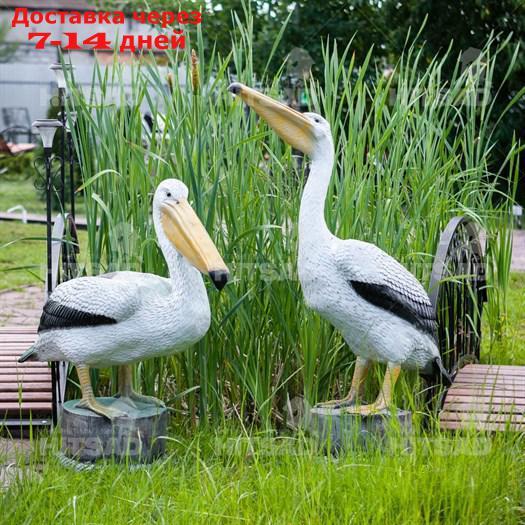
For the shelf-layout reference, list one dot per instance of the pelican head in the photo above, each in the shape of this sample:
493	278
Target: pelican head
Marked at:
185	231
307	132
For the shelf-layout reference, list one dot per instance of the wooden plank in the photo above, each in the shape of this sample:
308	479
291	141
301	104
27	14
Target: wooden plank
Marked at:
482	418
16	397
474	390
29	386
15	374
12	332
13	363
15	347
10	339
493	372
18	329
4	359
20	378
28	341
20	345
481	368
486	399
488	376
33	406
485	408
492	369
23	368
17	338
501	380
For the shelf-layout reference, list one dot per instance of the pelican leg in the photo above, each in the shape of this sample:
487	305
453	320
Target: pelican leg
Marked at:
128	394
384	399
356	388
88	398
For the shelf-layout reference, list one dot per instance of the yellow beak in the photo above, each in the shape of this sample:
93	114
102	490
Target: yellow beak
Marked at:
187	233
293	127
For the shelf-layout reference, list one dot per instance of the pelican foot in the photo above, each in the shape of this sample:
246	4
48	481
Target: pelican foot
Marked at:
366	410
337	403
132	398
99	408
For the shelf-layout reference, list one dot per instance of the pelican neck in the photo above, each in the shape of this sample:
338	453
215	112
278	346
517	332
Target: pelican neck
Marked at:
312	222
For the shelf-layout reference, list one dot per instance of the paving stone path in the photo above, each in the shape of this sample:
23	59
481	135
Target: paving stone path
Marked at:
21	308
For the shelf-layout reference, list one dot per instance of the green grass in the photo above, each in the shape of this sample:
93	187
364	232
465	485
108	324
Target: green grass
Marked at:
22	262
23	254
208	478
20	191
218	477
510	349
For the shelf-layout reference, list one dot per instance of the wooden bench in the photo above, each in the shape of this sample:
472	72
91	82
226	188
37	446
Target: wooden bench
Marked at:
12	150
486	397
25	389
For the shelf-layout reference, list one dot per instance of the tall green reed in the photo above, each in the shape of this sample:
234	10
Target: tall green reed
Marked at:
413	151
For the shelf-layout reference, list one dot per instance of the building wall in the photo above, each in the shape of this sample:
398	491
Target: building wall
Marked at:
26	81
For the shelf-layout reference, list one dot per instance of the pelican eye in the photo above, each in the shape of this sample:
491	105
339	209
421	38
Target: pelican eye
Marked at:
168	194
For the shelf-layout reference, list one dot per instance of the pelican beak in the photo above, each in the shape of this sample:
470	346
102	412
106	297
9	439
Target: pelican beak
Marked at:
187	233
293	127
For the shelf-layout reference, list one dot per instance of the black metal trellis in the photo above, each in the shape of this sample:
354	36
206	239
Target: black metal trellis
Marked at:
62	240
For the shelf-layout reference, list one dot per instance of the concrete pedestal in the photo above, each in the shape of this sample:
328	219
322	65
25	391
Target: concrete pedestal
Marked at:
87	436
338	431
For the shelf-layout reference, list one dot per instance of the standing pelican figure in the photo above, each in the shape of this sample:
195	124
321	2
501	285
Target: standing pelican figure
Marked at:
123	317
380	308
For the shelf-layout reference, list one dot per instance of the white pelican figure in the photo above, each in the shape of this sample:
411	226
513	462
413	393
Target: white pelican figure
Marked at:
123	317
380	308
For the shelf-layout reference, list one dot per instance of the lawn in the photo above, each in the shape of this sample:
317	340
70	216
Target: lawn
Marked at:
237	475
510	350
22	246
23	254
217	477
23	262
20	191
209	477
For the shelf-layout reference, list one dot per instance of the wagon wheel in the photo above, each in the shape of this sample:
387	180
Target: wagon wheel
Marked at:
457	292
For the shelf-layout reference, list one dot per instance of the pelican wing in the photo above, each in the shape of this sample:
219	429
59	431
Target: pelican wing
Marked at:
91	301
381	280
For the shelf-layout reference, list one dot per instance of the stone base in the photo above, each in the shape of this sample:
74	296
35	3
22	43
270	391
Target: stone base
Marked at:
139	437
338	431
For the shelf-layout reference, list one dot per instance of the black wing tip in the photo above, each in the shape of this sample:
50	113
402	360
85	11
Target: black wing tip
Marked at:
420	315
58	316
